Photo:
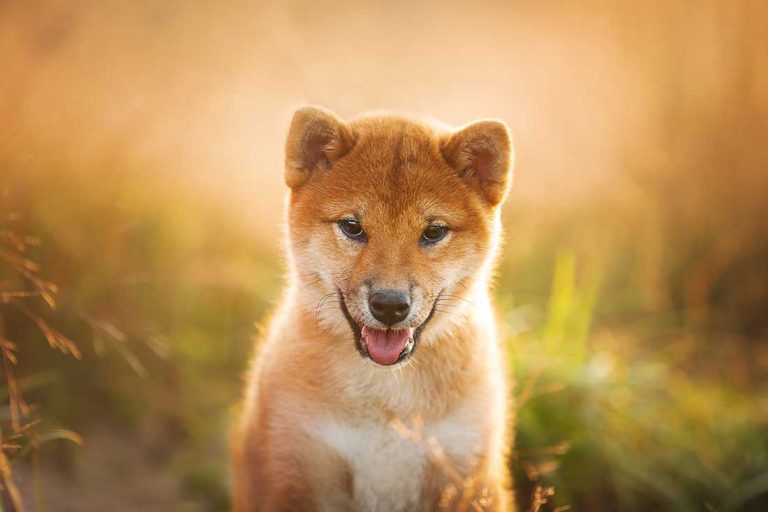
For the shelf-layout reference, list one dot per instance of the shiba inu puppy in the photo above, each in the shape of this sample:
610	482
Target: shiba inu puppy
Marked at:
380	385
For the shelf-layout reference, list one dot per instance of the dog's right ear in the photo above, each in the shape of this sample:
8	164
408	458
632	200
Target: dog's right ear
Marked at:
316	140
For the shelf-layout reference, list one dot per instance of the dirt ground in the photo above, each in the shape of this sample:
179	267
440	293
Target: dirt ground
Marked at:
112	471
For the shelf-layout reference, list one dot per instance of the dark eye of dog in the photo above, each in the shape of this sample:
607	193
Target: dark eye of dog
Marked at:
352	228
434	233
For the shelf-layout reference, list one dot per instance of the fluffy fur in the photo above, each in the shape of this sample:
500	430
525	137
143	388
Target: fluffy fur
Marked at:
323	428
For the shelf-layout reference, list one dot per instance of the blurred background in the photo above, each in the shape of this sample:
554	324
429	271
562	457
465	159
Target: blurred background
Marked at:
141	200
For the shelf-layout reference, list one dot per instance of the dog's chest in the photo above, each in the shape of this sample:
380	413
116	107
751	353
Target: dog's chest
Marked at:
388	461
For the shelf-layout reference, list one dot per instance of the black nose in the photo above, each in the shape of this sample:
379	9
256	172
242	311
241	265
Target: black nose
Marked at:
389	306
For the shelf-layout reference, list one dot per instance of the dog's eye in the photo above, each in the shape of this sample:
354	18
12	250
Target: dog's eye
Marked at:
352	228
434	233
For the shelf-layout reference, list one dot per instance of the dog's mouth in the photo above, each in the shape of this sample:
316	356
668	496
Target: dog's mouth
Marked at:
388	346
384	346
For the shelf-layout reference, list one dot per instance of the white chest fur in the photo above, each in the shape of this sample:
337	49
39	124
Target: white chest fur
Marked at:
387	461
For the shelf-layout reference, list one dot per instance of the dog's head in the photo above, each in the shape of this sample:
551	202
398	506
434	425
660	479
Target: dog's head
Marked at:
391	222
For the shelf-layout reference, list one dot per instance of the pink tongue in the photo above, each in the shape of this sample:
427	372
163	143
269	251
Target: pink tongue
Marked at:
385	347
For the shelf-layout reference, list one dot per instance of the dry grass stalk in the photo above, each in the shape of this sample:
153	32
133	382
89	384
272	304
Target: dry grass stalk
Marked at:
21	281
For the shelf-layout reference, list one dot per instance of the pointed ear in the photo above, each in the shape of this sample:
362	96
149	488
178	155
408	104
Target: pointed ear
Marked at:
316	139
481	153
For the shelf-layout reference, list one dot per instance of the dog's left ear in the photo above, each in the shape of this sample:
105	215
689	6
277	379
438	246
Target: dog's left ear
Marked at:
481	152
316	139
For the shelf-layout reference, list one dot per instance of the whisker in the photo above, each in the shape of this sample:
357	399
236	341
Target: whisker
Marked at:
447	303
316	280
319	305
455	297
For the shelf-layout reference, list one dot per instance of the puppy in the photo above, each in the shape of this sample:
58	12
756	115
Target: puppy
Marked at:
381	385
